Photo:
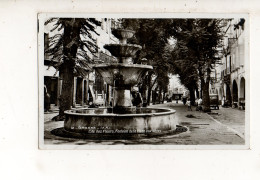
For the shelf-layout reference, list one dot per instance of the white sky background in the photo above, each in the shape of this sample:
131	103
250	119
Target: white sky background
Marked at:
19	154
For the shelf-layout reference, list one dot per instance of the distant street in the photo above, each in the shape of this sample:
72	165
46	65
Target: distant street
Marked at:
226	127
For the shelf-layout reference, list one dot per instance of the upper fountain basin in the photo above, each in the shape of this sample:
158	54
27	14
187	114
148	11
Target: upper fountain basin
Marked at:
123	74
122	50
123	33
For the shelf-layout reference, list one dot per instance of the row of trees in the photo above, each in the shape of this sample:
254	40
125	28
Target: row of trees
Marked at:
152	35
196	49
192	56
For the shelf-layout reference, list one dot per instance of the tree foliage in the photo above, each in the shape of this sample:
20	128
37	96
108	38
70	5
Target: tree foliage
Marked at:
152	35
197	50
72	33
193	56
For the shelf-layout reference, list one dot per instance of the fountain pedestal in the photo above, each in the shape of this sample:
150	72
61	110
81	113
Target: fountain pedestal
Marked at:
122	98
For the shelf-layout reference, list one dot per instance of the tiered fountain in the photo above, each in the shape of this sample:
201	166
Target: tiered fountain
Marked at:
123	117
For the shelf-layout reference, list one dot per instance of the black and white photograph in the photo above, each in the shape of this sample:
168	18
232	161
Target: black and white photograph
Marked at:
132	90
151	81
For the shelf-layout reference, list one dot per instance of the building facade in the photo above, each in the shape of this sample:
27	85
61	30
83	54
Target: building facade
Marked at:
229	78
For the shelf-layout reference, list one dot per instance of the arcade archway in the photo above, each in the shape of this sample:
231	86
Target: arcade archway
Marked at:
242	94
228	94
220	93
235	92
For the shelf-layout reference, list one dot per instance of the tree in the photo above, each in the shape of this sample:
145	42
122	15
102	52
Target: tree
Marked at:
180	64
198	48
70	48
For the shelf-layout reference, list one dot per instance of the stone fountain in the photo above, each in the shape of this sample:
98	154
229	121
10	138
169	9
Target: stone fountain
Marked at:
123	117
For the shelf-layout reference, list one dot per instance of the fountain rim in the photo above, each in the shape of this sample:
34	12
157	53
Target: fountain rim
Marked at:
116	65
169	111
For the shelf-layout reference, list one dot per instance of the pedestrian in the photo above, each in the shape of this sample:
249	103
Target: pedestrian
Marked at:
144	102
200	104
189	104
184	99
47	100
223	101
111	102
92	105
140	100
137	99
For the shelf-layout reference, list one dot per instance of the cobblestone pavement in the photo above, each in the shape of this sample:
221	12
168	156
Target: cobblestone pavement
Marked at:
203	129
207	129
233	118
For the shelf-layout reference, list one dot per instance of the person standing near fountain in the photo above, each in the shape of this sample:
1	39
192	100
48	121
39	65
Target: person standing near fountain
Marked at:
189	105
137	99
47	100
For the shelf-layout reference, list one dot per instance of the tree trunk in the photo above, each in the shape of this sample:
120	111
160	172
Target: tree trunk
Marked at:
160	96
70	47
205	96
192	95
149	96
163	97
149	87
197	92
66	72
154	98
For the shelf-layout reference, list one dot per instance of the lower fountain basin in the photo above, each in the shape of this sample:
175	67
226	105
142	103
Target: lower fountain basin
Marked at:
104	121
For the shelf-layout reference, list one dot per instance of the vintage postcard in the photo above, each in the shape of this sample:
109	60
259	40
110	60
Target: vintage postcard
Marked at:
143	81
